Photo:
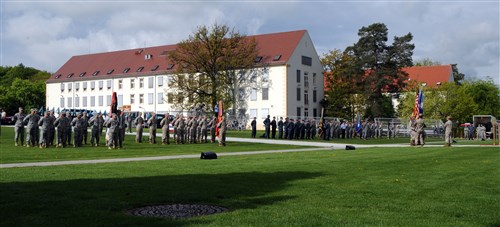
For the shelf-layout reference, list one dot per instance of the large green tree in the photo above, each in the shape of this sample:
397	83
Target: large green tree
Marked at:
22	87
211	64
379	65
461	101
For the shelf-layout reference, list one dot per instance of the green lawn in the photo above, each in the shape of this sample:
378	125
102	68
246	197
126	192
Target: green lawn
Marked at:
429	186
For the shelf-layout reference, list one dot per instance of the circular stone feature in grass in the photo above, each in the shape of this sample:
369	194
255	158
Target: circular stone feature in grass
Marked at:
176	210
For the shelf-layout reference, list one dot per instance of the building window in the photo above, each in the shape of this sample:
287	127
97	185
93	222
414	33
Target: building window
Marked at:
132	83
92	101
120	84
298	112
253	113
253	95
298	76
84	101
264	112
306	61
77	86
77	101
160	81
92	85
70	86
314	79
101	100
141	98
150	98
306	112
151	81
306	98
84	86
120	100
314	95
62	102
170	81
70	103
265	93
241	94
141	83
101	85
265	77
132	99
62	87
298	94
109	84
108	100
315	112
306	80
160	98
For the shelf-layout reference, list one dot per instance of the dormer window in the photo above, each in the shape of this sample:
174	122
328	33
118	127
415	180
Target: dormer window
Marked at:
170	66
140	69
155	68
258	59
70	75
82	74
126	70
148	56
96	73
58	75
110	71
277	57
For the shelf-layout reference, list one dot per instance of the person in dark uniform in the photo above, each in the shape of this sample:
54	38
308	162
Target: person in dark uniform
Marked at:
273	128
254	127
280	128
267	126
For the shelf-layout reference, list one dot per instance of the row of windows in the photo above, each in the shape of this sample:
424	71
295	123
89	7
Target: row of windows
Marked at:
265	111
91	100
306	78
126	70
265	95
109	84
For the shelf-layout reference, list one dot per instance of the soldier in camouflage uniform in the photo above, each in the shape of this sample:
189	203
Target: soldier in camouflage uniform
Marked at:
165	133
44	124
95	135
77	124
52	128
85	125
19	127
31	122
112	125
152	128
62	123
139	125
69	129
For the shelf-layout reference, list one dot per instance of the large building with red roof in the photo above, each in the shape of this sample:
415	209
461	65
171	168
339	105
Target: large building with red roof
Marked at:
292	83
431	76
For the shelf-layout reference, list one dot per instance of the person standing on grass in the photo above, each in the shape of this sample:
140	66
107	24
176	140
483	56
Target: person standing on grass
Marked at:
139	125
254	127
129	122
213	125
281	125
44	124
62	126
419	128
448	126
165	134
77	124
112	125
152	128
222	125
31	122
204	134
122	127
69	129
267	126
19	127
95	135
273	128
85	125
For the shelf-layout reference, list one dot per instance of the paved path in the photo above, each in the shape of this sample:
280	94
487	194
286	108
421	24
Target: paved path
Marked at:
315	146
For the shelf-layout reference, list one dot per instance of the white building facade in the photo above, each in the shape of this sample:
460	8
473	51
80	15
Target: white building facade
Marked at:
291	85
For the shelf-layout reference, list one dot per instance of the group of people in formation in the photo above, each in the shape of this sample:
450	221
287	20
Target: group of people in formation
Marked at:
329	129
42	131
418	135
479	132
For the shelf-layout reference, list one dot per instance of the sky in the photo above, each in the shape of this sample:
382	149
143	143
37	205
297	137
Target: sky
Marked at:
46	34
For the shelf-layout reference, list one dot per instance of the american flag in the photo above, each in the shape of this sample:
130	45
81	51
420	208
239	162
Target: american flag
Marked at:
419	101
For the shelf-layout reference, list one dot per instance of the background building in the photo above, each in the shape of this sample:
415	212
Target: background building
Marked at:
289	84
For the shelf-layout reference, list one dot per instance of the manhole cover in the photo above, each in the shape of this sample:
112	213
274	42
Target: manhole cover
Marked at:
176	210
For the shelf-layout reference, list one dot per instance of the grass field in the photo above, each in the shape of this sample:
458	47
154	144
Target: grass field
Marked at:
429	186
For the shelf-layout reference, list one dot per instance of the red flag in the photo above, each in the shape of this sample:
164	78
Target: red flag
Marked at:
114	104
219	118
416	107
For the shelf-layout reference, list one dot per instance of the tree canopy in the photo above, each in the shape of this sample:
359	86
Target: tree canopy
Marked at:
211	64
371	68
22	87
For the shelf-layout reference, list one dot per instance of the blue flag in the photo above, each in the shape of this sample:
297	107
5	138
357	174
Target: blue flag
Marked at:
358	124
421	102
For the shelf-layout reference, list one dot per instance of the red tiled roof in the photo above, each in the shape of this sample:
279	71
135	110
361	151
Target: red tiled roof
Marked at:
431	75
269	46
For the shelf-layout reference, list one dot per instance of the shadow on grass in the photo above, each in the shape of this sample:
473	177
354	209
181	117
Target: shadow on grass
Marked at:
103	202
